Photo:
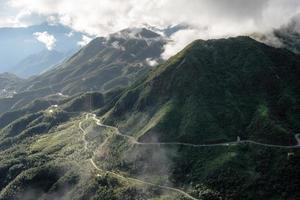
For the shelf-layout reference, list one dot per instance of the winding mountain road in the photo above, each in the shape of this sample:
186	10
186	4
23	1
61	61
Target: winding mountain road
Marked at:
118	175
134	141
142	182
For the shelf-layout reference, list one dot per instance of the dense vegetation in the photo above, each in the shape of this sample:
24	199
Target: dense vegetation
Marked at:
217	90
211	92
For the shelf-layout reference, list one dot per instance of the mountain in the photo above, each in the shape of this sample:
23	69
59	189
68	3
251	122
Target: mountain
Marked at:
214	92
289	36
37	63
9	83
18	43
169	30
104	64
209	89
219	120
286	36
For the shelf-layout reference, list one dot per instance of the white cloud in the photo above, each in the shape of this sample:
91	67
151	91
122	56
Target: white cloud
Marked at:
19	20
151	62
116	45
180	39
208	18
46	38
84	40
70	34
105	16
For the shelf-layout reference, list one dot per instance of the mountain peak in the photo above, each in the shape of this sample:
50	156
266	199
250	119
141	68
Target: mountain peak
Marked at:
239	40
136	33
220	73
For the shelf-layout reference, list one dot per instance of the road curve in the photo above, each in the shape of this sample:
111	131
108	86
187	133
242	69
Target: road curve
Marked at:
118	175
134	141
143	182
83	136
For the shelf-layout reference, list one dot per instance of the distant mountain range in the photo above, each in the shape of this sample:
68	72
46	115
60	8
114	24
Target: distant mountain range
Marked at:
38	63
18	46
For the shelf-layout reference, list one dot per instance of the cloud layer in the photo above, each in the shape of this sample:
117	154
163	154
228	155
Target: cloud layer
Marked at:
84	40
206	18
45	38
219	17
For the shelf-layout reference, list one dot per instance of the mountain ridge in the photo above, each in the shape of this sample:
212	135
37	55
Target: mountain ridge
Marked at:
19	43
104	64
182	74
36	64
179	132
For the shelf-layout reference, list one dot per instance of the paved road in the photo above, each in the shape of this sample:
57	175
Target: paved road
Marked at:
134	141
142	182
118	175
84	133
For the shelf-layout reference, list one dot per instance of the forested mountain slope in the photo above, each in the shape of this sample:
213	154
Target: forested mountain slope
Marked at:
171	135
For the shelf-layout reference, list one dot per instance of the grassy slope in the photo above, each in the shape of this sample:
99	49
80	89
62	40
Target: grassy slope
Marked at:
55	166
42	155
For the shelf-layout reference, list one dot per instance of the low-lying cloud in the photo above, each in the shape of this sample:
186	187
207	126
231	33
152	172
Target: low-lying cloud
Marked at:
47	39
84	40
221	17
206	18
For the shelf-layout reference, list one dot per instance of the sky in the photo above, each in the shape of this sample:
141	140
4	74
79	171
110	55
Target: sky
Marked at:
206	18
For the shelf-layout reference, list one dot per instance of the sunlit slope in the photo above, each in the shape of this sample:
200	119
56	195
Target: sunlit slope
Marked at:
105	63
213	91
46	155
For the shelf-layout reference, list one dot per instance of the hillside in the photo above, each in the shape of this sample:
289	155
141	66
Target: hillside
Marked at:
192	112
104	64
8	80
9	83
171	135
289	36
214	91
